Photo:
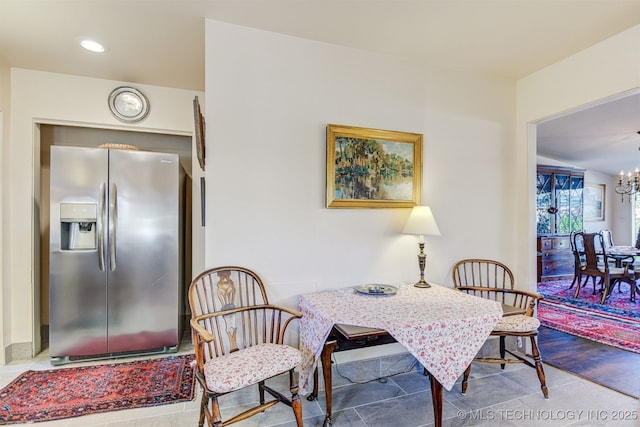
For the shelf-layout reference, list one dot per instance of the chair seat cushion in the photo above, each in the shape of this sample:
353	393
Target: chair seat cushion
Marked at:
517	323
616	270
249	366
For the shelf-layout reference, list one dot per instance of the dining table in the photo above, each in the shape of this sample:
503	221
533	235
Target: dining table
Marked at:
626	255
622	254
442	328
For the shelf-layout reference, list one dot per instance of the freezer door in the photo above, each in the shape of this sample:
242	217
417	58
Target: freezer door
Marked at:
77	280
143	255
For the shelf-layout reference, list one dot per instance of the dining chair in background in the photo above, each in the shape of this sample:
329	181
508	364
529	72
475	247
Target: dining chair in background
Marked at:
607	238
609	245
595	249
239	342
494	280
579	259
579	262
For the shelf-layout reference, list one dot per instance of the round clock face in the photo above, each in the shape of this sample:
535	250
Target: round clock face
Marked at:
128	104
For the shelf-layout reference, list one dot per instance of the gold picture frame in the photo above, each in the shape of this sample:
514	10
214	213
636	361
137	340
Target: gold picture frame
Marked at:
373	168
198	119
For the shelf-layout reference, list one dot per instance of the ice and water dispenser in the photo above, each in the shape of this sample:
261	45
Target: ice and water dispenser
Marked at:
78	223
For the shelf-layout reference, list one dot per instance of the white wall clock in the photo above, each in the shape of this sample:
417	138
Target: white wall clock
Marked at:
128	104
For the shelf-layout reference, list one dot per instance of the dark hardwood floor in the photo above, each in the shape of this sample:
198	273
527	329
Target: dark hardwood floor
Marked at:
605	365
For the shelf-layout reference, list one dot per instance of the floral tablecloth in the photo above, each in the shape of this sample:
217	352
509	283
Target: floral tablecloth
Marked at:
441	327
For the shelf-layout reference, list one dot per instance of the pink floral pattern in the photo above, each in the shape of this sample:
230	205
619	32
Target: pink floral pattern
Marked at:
517	323
442	328
249	366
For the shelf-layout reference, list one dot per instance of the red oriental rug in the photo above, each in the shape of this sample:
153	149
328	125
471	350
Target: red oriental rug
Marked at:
70	392
615	323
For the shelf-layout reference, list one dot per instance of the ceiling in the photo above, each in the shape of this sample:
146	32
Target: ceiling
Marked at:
161	42
602	137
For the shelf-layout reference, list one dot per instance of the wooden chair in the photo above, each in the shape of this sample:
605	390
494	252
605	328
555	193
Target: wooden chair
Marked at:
636	259
577	246
594	249
607	238
482	273
494	280
239	342
578	260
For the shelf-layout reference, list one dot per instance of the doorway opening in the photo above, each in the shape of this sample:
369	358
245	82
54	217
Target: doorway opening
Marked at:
63	135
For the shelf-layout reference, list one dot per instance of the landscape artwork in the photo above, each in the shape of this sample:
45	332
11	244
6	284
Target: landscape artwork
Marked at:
593	202
370	168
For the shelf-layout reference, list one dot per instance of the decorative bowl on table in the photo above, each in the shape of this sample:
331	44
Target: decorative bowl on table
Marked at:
376	289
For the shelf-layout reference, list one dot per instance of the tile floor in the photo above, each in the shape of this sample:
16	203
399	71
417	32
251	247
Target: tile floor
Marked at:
505	398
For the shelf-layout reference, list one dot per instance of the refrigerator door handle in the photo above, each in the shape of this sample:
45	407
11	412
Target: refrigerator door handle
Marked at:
100	226
113	219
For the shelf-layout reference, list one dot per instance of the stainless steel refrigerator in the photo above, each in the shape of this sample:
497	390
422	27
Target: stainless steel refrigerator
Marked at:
116	253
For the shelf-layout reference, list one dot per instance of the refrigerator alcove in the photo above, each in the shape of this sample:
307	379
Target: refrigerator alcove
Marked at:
115	253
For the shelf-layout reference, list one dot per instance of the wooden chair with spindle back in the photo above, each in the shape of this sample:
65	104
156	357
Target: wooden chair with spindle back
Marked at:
239	341
493	280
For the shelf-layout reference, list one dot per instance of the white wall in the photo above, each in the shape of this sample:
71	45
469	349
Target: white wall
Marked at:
5	99
38	97
608	68
269	98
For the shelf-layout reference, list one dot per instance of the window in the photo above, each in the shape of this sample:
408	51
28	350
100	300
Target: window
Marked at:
559	200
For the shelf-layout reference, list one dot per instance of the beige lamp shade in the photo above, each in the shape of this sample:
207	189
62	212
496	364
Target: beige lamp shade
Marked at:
421	222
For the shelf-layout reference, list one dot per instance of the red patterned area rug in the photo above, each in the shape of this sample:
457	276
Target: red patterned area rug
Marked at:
70	392
615	323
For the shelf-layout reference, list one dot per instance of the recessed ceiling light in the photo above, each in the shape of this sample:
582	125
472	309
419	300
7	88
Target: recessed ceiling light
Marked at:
92	46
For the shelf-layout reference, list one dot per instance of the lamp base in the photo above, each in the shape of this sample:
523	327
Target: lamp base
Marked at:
422	284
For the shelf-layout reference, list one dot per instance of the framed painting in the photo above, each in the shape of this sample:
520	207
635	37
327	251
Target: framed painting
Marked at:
593	198
199	131
373	168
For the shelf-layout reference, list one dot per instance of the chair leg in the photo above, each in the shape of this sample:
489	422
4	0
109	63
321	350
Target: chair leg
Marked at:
215	412
203	406
632	288
295	397
573	282
579	285
606	290
503	352
465	379
261	391
538	364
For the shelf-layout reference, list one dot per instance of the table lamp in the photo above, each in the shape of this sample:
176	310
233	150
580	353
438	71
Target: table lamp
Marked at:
421	222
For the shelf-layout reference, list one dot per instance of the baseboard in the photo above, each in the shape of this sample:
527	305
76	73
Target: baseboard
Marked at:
44	336
17	351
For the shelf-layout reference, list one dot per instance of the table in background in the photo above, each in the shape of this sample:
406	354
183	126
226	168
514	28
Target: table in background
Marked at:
442	328
622	255
619	253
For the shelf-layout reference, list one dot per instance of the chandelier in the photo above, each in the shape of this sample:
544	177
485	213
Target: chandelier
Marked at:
628	185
